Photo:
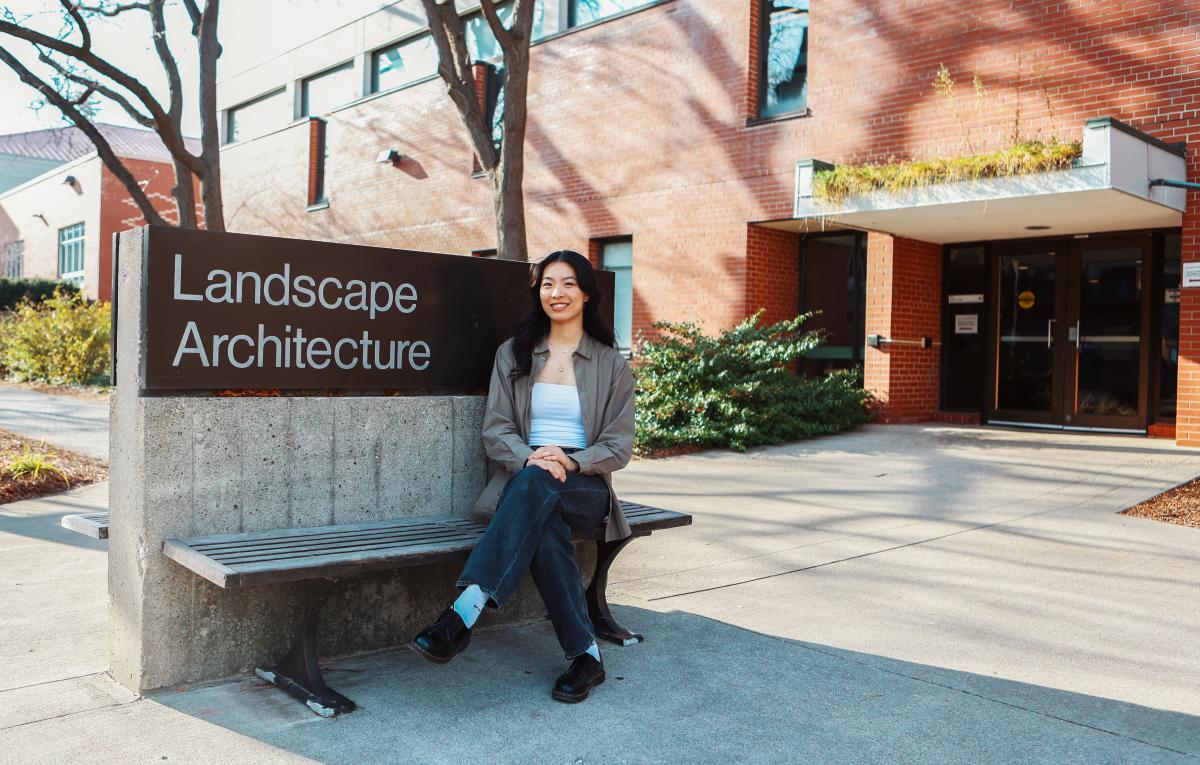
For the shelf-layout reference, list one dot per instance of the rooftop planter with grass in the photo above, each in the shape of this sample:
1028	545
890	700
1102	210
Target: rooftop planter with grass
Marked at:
836	185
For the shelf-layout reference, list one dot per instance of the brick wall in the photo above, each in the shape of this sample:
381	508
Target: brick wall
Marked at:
904	288
118	213
639	127
772	273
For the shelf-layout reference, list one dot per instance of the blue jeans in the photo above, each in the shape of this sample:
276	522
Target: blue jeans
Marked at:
532	530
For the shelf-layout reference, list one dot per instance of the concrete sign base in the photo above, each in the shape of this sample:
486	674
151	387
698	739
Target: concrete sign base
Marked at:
191	465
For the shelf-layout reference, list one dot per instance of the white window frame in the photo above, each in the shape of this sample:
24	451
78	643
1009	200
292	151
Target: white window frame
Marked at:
14	257
73	236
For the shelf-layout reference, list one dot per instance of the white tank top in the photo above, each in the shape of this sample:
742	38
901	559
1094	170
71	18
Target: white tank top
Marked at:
555	418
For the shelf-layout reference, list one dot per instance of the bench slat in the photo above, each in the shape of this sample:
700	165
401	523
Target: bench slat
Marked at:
263	557
344	548
233	548
94	525
180	552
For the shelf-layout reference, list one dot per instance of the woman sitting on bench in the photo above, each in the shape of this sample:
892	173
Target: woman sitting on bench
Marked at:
559	420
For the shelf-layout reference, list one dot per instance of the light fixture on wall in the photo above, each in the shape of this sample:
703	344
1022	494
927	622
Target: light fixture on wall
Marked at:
69	181
389	157
42	218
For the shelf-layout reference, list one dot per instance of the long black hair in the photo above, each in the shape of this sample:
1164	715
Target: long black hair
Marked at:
536	324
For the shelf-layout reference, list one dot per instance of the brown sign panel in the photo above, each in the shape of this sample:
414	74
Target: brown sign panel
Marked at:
238	311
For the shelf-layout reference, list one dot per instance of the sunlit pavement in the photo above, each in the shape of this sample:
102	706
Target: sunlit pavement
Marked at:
901	593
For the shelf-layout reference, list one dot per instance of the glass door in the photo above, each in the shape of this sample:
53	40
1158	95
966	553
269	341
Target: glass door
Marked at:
1028	329
1071	347
1107	345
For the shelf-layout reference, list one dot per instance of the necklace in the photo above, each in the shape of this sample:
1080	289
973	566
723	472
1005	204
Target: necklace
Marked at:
563	354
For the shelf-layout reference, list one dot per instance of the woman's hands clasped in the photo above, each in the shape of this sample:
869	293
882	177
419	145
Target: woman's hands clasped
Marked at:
553	460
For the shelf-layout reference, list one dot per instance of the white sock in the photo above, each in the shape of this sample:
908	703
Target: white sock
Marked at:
470	604
594	650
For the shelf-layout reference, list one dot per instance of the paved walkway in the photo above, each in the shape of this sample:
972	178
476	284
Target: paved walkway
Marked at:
898	594
71	423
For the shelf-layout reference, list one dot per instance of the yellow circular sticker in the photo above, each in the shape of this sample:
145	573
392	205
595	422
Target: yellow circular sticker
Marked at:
1026	299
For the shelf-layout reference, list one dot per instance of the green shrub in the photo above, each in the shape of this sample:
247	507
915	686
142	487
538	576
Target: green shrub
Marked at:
63	340
13	291
33	466
739	389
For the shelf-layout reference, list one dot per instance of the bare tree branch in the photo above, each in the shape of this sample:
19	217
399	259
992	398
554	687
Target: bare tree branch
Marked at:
193	14
454	66
112	10
97	87
505	169
107	156
493	19
83	97
84	32
210	181
175	87
90	59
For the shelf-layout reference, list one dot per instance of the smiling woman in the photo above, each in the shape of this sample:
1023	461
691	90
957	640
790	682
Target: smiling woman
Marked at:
559	420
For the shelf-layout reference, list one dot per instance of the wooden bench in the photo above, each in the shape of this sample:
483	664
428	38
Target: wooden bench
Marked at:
324	554
94	525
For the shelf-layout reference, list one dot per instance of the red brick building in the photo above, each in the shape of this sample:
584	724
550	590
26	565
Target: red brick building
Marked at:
60	206
670	140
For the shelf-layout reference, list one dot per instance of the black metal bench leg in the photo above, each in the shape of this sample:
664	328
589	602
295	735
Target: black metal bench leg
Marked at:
602	619
298	672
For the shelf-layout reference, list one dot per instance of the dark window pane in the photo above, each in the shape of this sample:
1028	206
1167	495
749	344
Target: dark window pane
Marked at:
784	57
833	281
965	282
1169	348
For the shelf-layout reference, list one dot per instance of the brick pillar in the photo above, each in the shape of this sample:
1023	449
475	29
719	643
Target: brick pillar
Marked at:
772	274
904	287
1187	418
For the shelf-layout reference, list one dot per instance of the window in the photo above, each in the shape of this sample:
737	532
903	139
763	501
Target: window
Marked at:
617	256
833	280
257	117
13	256
318	157
70	254
587	11
331	88
493	102
1169	347
409	61
783	57
964	358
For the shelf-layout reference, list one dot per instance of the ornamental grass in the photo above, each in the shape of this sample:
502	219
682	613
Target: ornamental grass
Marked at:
1023	158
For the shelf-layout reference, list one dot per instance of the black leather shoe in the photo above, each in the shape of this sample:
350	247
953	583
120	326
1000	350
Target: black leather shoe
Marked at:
573	685
444	639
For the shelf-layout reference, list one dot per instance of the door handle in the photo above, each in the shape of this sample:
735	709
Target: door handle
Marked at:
1050	333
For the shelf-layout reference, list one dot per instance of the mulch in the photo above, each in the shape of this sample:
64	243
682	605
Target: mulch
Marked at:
79	469
1180	505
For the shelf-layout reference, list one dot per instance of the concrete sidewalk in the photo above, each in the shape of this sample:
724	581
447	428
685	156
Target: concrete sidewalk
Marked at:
911	594
71	423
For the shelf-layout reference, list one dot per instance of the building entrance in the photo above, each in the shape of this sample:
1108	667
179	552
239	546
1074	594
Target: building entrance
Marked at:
1070	345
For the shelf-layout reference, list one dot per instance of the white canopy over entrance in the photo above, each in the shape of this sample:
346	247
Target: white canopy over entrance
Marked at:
1109	189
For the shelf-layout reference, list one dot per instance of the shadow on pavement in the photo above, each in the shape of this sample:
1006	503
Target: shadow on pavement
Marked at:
698	690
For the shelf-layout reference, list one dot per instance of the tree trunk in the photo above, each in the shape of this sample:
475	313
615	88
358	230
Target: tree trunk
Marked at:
210	180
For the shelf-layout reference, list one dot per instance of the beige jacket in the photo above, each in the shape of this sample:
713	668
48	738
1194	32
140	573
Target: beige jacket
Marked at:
605	385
